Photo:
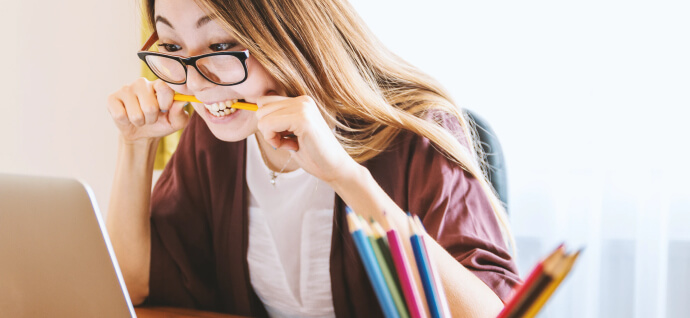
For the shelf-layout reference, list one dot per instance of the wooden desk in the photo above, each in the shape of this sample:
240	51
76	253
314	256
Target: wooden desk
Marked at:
170	312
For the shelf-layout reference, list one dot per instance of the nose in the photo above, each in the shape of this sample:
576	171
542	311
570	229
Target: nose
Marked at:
195	81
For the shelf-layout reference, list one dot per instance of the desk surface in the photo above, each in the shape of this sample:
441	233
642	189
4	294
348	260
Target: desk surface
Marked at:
169	312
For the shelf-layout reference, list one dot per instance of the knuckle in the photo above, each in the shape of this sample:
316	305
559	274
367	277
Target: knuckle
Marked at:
127	89
149	106
261	125
148	113
141	81
159	83
306	99
161	87
121	118
137	120
112	99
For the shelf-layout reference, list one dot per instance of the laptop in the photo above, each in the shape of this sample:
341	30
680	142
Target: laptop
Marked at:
55	255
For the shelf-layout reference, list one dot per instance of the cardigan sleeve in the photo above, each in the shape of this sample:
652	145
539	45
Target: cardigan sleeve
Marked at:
182	268
457	214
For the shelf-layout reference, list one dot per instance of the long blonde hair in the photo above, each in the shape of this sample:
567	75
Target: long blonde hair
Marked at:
323	49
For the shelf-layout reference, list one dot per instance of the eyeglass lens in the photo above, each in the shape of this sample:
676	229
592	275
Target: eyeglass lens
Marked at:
220	69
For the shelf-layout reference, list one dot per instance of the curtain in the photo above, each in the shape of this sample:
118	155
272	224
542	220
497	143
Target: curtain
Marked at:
634	226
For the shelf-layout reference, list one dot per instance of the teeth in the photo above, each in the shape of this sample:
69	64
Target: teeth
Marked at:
222	109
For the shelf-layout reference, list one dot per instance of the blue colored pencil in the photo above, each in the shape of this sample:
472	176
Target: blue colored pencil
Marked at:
371	266
424	268
438	284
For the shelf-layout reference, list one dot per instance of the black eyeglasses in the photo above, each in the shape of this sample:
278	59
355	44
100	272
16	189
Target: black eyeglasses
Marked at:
221	68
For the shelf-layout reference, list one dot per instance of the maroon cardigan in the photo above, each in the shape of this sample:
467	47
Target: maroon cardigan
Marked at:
199	225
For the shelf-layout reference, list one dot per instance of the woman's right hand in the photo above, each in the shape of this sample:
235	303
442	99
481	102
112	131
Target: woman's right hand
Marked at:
145	110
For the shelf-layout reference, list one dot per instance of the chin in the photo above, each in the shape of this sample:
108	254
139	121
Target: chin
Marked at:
229	136
231	128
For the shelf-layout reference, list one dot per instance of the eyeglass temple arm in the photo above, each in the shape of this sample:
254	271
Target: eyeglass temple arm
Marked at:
152	39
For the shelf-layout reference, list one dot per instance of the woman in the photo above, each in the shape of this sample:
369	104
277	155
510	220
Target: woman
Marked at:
247	217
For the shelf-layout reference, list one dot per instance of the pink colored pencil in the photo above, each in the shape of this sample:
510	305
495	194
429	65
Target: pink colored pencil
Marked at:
414	300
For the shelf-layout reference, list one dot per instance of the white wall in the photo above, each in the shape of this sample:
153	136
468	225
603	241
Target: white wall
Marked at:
593	82
60	61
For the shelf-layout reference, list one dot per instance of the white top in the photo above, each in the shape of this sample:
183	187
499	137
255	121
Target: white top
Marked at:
290	227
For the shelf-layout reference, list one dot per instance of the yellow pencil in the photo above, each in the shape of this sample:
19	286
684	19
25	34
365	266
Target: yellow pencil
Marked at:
238	105
561	271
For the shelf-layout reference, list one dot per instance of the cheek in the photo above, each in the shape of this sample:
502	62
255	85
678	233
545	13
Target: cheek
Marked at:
258	80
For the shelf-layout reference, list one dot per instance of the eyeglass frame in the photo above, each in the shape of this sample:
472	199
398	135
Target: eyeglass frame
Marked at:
191	61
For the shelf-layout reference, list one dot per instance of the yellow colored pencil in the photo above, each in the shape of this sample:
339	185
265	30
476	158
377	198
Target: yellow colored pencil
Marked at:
193	99
564	268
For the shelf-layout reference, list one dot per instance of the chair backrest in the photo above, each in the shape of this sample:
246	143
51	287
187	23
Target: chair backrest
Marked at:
496	169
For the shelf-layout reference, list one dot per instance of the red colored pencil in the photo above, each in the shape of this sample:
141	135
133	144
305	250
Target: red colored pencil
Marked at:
522	291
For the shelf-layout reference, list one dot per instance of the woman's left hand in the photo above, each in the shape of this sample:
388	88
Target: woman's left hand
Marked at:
315	146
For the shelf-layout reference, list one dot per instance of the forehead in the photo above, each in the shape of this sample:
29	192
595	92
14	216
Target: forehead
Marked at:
179	15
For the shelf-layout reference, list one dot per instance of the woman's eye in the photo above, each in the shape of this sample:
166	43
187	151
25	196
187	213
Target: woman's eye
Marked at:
170	47
222	46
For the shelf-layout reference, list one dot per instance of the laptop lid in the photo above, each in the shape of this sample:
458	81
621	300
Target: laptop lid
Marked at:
55	255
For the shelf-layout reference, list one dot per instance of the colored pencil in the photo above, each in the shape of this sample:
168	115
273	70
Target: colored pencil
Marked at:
405	275
423	266
560	272
238	105
388	268
438	284
521	292
539	284
371	266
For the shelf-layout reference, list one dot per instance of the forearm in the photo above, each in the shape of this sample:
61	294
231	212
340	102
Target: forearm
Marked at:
467	295
363	194
128	219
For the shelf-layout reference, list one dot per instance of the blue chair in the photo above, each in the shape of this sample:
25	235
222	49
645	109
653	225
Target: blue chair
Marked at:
496	168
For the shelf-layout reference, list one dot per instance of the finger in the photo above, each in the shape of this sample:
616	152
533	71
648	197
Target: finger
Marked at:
134	113
288	144
269	104
164	94
178	116
267	99
117	111
277	125
147	101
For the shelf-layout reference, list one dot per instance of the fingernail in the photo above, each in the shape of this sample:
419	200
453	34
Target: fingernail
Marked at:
292	151
274	148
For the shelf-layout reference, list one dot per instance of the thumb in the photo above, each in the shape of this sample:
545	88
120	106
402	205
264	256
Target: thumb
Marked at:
178	116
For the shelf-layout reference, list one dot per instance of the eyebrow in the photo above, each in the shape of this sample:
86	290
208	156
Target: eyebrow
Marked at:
164	21
201	22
